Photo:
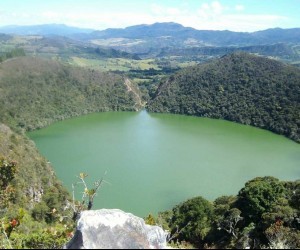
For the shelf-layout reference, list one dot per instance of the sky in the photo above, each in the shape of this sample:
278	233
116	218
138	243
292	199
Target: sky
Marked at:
234	15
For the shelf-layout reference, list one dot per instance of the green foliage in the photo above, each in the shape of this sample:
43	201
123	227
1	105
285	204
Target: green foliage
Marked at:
7	174
40	211
51	238
11	54
28	203
192	220
293	189
239	87
35	92
262	215
259	196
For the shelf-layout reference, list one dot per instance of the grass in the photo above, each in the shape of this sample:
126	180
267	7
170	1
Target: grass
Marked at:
113	64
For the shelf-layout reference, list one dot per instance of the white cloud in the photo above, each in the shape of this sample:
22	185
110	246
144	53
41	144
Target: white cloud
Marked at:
239	7
51	15
211	11
156	9
217	8
209	16
173	11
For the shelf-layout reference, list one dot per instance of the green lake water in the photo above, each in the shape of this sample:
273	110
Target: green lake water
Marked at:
154	161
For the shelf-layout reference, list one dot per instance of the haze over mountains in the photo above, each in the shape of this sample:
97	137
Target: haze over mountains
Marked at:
158	40
167	30
43	30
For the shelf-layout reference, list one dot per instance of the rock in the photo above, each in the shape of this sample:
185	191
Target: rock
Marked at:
115	229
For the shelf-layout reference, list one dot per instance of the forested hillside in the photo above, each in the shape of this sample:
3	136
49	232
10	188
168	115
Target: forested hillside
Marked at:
264	215
35	209
36	92
31	197
238	87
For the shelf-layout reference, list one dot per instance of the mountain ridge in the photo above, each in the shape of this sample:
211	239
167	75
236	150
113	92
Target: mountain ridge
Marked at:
158	29
43	29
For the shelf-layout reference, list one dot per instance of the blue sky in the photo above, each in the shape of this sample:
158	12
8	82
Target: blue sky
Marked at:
236	15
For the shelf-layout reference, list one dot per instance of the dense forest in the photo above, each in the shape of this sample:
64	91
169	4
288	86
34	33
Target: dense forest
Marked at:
264	215
36	92
238	87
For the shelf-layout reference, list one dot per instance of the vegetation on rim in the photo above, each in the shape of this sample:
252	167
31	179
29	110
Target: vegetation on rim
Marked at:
37	92
238	87
264	215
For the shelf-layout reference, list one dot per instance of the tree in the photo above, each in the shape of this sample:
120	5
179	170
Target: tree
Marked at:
88	195
192	220
229	221
259	196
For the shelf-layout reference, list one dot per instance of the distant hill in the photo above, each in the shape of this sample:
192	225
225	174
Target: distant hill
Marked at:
148	41
43	30
166	30
36	92
61	47
65	48
144	31
279	50
237	87
205	37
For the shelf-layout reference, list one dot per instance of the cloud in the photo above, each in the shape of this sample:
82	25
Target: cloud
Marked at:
239	7
51	15
157	9
208	16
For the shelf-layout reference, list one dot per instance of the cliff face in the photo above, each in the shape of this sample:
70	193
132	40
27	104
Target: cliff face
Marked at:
115	229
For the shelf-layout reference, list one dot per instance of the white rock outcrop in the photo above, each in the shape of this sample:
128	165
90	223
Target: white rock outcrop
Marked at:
115	229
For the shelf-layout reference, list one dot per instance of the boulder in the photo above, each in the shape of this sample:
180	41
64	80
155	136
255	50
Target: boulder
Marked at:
115	229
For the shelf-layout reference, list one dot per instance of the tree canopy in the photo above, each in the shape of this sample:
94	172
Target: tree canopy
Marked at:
238	87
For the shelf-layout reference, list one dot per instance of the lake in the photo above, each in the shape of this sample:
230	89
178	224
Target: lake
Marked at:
155	161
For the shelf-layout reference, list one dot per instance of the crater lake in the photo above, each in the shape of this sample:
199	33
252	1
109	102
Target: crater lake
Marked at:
151	162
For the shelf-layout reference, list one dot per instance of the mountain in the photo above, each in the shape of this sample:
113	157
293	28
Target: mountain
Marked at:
43	30
149	41
208	37
36	92
62	48
168	30
238	87
278	35
144	31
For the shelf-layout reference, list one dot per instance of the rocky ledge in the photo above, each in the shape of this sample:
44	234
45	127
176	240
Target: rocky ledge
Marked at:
115	229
